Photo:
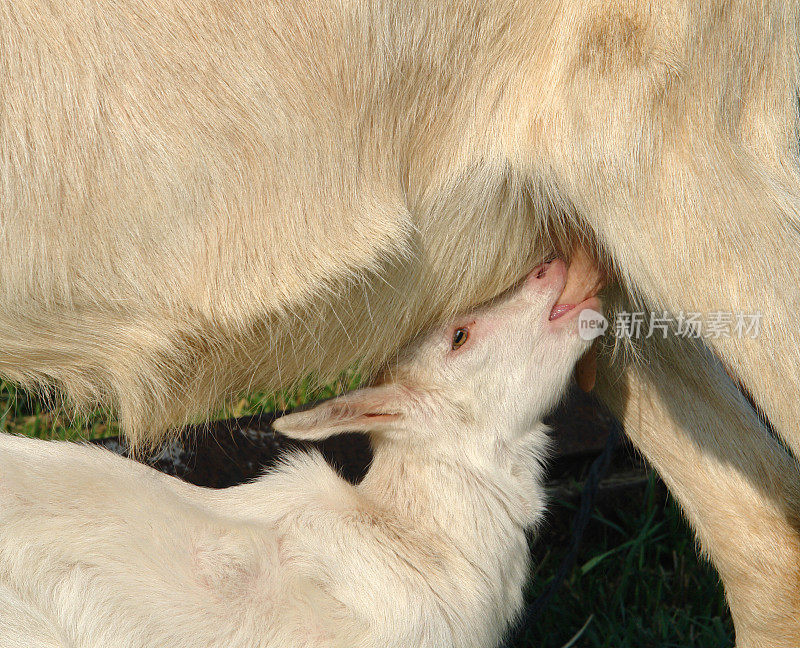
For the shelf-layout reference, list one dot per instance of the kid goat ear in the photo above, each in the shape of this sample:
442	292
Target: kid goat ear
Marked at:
372	409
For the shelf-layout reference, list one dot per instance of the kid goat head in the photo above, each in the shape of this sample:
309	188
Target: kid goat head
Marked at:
487	378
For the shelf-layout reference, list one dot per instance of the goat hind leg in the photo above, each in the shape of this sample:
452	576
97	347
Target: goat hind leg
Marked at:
739	489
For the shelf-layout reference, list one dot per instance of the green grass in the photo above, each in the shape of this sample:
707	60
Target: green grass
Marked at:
31	415
306	391
23	413
638	582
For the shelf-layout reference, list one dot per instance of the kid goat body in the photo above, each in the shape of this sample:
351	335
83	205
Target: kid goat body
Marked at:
429	550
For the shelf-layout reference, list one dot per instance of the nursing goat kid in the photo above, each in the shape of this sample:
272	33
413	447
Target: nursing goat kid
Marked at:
429	550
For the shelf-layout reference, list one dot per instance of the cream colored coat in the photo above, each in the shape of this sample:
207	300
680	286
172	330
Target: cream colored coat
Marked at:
202	198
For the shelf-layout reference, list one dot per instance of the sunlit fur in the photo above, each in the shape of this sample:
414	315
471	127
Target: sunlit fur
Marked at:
202	198
429	551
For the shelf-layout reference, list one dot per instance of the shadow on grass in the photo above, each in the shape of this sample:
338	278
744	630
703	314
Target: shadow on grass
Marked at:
638	583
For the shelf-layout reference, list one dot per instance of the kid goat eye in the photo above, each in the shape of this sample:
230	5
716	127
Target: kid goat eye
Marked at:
460	336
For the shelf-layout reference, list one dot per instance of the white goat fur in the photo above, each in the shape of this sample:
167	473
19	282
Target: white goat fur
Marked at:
202	198
428	551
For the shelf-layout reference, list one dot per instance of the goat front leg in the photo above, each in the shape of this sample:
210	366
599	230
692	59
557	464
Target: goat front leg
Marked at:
739	489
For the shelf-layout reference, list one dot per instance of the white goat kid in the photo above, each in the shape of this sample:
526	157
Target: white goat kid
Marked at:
428	551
